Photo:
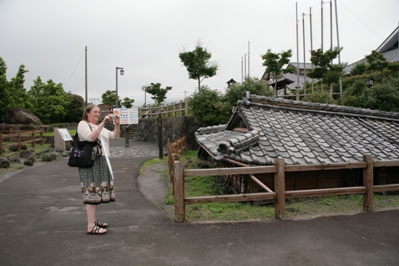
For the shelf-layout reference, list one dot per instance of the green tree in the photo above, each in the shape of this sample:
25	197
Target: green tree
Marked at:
127	102
383	96
50	101
274	63
158	93
208	107
75	108
237	91
109	98
376	62
323	65
319	97
359	69
3	89
197	64
12	93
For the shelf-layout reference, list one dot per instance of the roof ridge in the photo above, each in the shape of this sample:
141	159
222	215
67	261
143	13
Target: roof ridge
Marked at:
254	99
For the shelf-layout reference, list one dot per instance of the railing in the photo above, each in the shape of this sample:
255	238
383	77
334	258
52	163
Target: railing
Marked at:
279	194
170	110
18	135
175	149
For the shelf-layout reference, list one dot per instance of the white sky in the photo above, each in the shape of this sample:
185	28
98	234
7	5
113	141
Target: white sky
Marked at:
145	37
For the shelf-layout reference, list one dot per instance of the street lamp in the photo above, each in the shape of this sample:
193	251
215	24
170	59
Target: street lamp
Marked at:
144	88
122	72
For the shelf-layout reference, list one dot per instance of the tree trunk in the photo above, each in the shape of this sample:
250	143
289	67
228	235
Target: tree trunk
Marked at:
199	85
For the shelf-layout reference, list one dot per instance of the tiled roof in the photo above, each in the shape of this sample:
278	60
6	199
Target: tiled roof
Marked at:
302	133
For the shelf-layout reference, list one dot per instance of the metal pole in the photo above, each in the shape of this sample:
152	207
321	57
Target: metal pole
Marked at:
321	82
160	141
339	55
248	59
121	71
245	65
116	101
304	55
331	40
144	88
86	76
242	76
311	42
331	26
322	26
297	55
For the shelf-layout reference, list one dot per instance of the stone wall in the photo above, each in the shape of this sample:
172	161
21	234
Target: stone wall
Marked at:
172	129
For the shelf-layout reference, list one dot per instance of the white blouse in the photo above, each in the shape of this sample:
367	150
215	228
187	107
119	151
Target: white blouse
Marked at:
84	133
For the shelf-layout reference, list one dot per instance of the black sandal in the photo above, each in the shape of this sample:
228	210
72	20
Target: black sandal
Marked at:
100	224
96	231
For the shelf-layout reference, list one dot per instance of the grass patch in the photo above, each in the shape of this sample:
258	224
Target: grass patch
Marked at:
152	162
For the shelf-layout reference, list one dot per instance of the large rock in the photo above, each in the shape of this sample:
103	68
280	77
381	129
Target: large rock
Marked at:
4	163
21	116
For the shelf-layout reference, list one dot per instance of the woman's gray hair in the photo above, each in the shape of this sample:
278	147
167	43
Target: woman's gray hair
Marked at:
88	110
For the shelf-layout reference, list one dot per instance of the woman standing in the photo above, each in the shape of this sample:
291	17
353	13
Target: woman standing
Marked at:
96	182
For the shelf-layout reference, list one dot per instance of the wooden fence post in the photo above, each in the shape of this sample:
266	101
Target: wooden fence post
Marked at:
279	188
368	182
178	184
41	136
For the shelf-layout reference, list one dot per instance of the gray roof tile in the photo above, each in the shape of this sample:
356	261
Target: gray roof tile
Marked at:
302	133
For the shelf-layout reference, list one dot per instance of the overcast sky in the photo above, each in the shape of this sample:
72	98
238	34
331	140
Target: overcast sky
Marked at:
145	37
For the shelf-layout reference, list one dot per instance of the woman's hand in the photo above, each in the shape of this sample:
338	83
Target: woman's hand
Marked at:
117	120
107	119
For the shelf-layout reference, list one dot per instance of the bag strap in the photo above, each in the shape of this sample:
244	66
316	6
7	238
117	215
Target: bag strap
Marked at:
97	141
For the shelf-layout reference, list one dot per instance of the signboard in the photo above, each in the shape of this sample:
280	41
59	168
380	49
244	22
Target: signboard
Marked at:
128	116
60	136
64	134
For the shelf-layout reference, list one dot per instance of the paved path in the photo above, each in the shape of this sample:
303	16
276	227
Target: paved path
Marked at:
42	222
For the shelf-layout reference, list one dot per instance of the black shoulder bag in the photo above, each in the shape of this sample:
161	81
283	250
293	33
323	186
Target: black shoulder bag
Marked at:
83	153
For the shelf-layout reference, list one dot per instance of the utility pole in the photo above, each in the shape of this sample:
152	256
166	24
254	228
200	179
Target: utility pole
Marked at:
339	55
297	56
248	58
311	42
304	54
86	97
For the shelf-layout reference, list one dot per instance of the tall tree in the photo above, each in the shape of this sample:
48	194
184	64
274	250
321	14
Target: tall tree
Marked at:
75	108
50	101
323	65
274	63
376	62
208	108
237	91
12	93
158	93
109	98
127	102
197	64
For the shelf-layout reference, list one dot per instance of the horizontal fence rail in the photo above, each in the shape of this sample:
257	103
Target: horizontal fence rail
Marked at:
19	137
170	110
278	193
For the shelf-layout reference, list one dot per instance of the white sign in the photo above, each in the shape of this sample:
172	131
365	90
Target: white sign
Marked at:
64	134
128	116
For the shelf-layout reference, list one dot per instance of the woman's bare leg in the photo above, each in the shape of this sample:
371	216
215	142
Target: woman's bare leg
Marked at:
91	217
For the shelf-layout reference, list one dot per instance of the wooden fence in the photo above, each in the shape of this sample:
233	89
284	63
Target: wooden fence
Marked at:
278	193
17	137
175	149
170	110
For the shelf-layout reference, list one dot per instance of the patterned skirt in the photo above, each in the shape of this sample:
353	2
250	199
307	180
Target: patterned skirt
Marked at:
96	182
